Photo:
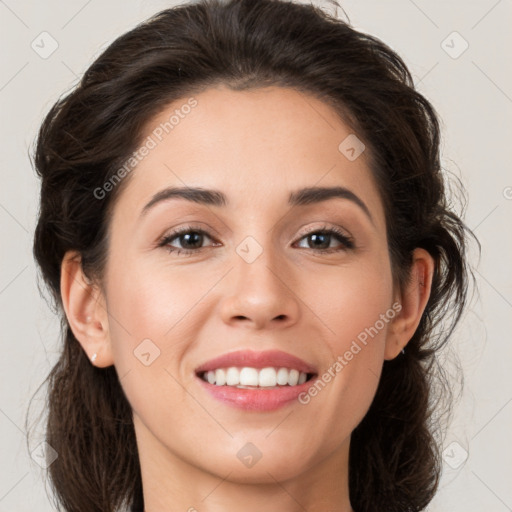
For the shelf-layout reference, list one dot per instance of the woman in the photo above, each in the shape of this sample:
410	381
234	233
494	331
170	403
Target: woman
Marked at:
244	226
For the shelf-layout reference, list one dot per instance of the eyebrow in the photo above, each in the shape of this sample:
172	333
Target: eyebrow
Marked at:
301	197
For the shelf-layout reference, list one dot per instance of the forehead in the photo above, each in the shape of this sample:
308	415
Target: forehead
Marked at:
256	146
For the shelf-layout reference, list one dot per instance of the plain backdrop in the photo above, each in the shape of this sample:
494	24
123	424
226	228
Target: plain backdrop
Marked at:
459	54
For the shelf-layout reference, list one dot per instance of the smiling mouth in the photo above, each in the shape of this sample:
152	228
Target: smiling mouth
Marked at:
255	378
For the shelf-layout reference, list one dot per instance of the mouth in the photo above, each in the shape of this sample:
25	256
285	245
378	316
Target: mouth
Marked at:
256	378
258	381
265	369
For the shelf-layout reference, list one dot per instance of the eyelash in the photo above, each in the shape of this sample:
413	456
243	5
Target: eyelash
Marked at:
347	242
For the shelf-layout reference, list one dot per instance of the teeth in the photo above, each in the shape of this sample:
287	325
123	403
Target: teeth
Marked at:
282	376
232	376
250	377
219	377
293	377
267	377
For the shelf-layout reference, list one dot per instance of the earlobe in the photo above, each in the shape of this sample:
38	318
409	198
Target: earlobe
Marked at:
85	310
414	298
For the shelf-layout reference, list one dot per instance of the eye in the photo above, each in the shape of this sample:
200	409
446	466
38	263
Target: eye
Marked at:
322	238
191	240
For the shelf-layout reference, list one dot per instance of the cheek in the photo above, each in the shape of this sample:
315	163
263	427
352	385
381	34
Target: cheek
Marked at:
148	338
360	317
357	310
157	315
352	300
150	301
145	324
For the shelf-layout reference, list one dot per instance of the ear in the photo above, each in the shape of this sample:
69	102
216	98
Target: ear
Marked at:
85	307
413	298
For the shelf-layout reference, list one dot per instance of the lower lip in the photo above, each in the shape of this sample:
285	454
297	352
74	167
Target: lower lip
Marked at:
256	399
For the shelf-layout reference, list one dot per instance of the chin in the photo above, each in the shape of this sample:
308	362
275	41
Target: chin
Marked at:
248	464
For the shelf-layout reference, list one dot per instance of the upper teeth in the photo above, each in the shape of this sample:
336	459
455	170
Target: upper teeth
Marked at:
264	377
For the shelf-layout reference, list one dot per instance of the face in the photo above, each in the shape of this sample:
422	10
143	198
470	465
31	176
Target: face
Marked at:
256	272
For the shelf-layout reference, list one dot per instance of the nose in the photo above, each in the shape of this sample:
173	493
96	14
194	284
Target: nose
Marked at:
260	294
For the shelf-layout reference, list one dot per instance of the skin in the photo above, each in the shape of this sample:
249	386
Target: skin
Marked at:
256	147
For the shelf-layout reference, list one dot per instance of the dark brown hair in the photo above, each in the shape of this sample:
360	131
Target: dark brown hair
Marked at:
91	131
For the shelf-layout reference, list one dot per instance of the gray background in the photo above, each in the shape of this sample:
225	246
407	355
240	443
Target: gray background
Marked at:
473	95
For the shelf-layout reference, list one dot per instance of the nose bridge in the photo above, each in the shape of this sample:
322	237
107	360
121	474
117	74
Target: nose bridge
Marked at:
261	262
258	265
258	291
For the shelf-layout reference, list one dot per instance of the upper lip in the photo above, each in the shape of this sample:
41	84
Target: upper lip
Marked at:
254	359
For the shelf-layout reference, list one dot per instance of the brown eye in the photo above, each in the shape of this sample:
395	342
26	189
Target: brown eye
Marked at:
320	240
190	240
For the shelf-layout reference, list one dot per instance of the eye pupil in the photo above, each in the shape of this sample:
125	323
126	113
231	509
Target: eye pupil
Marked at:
315	237
196	237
